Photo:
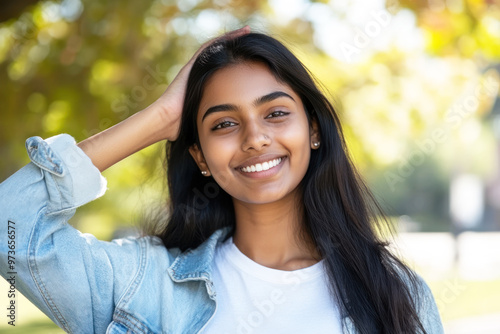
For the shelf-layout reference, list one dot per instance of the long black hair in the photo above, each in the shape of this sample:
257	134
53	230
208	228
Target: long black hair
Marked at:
372	287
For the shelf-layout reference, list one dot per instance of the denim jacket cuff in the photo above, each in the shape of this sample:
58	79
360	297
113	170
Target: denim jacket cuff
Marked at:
76	180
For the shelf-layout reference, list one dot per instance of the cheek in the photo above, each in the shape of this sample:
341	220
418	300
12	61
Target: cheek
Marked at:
299	145
218	154
297	138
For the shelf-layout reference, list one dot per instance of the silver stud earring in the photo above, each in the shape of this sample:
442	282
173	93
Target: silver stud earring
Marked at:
316	144
204	172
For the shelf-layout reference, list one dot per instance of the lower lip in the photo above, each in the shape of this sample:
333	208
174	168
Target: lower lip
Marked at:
265	173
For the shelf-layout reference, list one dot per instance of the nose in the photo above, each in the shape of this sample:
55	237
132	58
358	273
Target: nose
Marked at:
254	137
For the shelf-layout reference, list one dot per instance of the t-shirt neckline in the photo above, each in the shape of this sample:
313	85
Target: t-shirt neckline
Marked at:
250	267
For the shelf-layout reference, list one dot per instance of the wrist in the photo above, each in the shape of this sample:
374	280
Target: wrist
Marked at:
160	127
167	121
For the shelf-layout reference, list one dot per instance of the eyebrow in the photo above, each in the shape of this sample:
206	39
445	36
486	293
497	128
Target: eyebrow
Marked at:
259	101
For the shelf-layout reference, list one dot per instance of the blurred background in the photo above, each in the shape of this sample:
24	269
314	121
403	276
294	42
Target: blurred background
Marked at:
416	84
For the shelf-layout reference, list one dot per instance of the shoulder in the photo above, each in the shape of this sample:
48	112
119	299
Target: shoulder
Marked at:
423	299
156	257
427	308
421	296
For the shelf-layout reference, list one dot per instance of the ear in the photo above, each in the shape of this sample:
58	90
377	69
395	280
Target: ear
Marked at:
198	157
314	133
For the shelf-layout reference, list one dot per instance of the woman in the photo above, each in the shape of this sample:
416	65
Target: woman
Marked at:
269	227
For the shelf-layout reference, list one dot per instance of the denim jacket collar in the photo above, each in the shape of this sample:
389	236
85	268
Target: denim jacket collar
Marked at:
196	264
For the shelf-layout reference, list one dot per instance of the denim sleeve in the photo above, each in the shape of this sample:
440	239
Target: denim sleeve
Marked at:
428	311
72	277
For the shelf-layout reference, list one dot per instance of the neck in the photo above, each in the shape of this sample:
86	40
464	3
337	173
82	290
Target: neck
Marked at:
272	234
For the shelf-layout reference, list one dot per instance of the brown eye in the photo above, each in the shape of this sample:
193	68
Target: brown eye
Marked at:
277	113
224	124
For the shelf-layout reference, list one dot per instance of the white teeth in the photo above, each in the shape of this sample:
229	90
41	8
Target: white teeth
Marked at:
261	167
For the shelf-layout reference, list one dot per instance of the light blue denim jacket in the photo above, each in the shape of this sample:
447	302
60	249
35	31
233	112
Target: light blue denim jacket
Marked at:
132	285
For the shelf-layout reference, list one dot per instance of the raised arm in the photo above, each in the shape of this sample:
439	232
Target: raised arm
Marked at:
157	122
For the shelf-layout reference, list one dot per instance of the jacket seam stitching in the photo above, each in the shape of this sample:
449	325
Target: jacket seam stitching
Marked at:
130	290
124	318
36	276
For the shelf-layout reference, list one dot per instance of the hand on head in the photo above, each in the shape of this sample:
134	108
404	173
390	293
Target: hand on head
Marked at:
171	102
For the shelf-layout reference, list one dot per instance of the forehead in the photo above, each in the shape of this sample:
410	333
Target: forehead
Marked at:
240	84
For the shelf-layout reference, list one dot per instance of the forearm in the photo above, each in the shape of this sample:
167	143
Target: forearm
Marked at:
125	138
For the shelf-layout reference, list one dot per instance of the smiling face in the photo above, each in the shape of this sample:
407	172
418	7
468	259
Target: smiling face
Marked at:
254	134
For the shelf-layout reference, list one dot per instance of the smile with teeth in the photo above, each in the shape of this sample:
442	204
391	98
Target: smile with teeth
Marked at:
261	167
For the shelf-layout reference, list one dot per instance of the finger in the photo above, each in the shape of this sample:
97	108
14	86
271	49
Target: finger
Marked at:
236	33
227	36
232	34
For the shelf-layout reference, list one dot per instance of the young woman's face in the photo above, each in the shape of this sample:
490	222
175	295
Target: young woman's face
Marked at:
254	134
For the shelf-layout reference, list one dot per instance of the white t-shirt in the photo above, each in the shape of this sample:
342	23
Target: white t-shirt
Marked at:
252	298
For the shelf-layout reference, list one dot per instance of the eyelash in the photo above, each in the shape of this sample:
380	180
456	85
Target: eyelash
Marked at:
220	126
283	113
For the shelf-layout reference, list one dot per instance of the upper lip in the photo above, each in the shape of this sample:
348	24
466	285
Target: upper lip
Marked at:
260	159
